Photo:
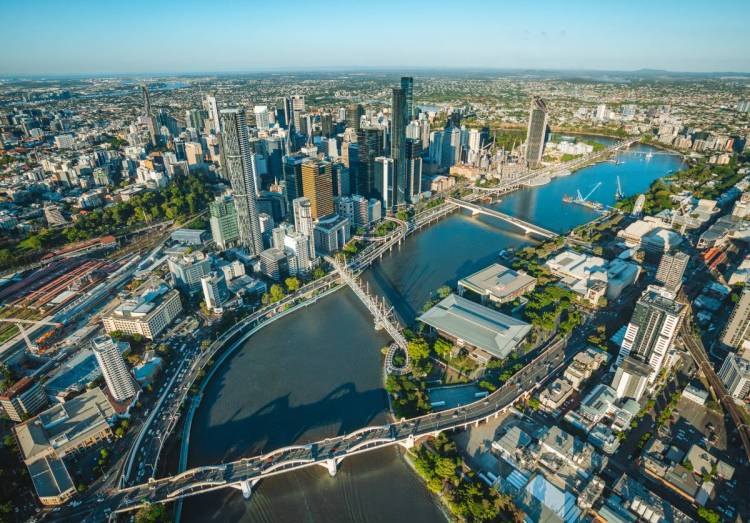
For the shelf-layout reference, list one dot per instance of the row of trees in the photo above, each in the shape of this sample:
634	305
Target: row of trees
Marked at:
182	197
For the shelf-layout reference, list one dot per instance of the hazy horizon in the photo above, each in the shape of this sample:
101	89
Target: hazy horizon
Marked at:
80	38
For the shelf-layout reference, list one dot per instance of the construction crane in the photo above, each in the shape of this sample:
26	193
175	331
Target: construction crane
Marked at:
619	195
20	323
584	198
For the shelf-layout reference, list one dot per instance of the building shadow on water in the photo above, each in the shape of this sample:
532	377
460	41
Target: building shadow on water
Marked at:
278	424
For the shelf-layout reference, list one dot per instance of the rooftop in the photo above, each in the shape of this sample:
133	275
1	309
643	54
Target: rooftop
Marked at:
64	424
479	326
497	280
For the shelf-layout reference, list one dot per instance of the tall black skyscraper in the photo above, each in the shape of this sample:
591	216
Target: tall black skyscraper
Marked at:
354	114
370	146
399	120
407	85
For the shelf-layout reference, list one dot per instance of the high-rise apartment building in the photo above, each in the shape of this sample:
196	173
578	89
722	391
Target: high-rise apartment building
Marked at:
303	218
119	381
212	108
239	163
536	135
297	103
225	229
735	374
671	269
650	333
737	332
262	117
317	186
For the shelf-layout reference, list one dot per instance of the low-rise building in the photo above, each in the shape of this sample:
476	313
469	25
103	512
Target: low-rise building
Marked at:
484	332
555	394
497	283
146	314
592	276
23	399
61	430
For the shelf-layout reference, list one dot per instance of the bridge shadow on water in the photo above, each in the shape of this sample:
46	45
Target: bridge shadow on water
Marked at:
278	423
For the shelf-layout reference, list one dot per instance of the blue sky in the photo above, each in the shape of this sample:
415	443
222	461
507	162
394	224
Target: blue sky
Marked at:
134	36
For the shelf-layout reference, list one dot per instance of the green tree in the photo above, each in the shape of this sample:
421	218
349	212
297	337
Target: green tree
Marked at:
292	284
443	348
152	514
444	291
418	350
708	515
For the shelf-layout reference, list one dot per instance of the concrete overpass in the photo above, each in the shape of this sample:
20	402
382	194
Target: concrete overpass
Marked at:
528	228
245	473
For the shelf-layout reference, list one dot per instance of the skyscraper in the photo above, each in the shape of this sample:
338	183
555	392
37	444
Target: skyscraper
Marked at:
317	186
370	144
737	331
148	114
209	104
119	381
536	135
651	330
399	120
413	169
303	219
671	269
407	86
303	222
223	219
292	166
297	102
262	118
239	163
354	115
383	180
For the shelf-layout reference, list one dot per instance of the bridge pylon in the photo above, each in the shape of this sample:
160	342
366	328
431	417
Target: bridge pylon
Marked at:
247	486
331	466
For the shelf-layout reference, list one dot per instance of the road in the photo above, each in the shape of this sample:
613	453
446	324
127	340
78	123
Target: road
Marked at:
205	479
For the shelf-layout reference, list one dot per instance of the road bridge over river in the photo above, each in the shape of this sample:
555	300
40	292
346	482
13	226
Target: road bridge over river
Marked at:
245	473
528	227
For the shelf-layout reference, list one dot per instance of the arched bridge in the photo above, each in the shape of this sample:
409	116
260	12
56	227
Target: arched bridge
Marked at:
245	473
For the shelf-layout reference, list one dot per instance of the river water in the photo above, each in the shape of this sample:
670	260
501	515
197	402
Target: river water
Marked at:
317	372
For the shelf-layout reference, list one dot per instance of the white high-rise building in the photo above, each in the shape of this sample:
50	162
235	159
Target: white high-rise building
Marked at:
209	104
300	246
119	381
735	374
239	165
601	112
262	117
215	291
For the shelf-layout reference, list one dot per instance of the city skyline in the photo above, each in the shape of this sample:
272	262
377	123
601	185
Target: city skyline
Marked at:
166	38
